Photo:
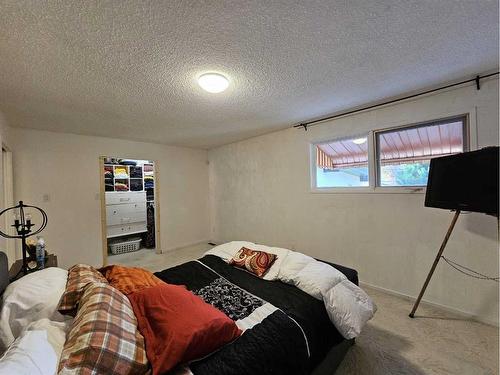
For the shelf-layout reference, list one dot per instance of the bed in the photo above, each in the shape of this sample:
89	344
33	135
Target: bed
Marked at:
285	329
300	327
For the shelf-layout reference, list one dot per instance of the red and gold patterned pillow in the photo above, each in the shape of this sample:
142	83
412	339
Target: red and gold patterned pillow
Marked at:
78	277
256	262
104	338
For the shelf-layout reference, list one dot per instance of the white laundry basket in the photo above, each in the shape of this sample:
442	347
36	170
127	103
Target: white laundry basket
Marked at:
127	246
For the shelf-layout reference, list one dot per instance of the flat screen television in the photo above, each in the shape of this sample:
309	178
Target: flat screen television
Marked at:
466	181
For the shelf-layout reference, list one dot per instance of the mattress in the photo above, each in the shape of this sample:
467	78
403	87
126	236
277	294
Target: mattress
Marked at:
294	339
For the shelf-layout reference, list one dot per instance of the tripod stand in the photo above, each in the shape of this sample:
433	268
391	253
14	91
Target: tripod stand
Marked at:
436	261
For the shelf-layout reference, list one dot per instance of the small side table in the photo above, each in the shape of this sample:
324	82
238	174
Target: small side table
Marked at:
14	269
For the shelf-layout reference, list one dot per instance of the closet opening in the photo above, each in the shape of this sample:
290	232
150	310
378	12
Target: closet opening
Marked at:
129	209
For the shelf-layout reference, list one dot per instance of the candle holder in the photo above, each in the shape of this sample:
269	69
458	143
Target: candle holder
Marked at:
23	226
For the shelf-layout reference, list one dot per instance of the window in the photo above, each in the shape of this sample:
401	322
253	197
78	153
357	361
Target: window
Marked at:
342	163
404	154
382	159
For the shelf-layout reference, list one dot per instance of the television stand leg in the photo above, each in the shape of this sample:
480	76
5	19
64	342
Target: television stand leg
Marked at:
438	257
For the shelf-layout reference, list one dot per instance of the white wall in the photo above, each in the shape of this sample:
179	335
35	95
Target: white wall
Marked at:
260	191
66	167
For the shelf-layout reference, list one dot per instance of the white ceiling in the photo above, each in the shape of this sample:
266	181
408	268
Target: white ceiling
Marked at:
128	69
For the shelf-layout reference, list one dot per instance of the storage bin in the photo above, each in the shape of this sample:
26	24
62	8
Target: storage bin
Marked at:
127	246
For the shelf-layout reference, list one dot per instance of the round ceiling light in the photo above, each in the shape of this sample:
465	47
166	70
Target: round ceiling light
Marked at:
359	141
213	82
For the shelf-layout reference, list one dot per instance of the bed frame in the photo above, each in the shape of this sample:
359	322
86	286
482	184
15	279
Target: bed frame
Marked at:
333	359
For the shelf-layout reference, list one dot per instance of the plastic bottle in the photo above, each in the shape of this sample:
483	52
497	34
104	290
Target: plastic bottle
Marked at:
40	253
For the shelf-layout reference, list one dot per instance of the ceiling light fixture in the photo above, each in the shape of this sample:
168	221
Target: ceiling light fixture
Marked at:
359	141
213	82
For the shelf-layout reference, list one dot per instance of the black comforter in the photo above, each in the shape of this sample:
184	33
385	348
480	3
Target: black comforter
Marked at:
292	338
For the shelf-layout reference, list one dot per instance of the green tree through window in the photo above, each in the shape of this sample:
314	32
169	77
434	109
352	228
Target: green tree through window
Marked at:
414	174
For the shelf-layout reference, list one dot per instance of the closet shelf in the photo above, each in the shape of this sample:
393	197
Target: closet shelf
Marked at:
133	176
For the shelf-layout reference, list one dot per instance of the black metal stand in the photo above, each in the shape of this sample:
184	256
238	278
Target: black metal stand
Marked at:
25	268
23	225
436	261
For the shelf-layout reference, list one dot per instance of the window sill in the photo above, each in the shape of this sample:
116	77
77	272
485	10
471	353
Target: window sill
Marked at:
370	190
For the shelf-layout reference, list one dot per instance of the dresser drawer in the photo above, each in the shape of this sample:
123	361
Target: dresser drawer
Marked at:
125	213
122	230
113	198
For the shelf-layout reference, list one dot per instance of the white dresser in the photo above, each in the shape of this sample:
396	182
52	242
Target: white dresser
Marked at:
125	213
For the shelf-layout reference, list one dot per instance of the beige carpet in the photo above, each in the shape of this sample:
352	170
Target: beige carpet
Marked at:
435	342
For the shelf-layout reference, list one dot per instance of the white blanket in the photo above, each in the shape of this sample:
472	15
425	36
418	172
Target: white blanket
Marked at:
347	305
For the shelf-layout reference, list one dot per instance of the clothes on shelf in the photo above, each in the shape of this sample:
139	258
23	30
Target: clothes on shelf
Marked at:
149	236
148	168
127	177
136	184
135	172
108	184
149	182
121	186
116	161
110	161
121	172
127	162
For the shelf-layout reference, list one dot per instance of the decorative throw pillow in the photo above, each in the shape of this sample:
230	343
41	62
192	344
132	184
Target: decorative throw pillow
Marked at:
104	338
78	277
179	326
129	279
256	262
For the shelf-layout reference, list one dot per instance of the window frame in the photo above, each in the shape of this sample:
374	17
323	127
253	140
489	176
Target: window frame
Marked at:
469	139
464	118
341	189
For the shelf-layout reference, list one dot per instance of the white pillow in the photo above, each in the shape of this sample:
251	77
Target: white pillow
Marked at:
228	250
37	350
349	308
29	299
317	278
292	265
347	305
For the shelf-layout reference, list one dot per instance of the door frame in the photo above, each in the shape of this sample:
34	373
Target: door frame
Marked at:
102	199
8	199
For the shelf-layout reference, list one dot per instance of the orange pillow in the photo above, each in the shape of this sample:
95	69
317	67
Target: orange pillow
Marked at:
129	279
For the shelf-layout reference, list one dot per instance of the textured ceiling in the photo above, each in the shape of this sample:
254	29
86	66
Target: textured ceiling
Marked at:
128	69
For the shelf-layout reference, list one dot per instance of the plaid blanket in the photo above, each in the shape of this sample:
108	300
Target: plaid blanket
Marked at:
78	277
104	338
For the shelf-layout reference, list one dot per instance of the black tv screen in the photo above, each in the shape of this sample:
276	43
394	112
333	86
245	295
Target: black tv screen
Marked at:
467	182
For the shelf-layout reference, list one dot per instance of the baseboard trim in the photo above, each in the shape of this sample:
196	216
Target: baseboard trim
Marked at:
464	314
186	245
